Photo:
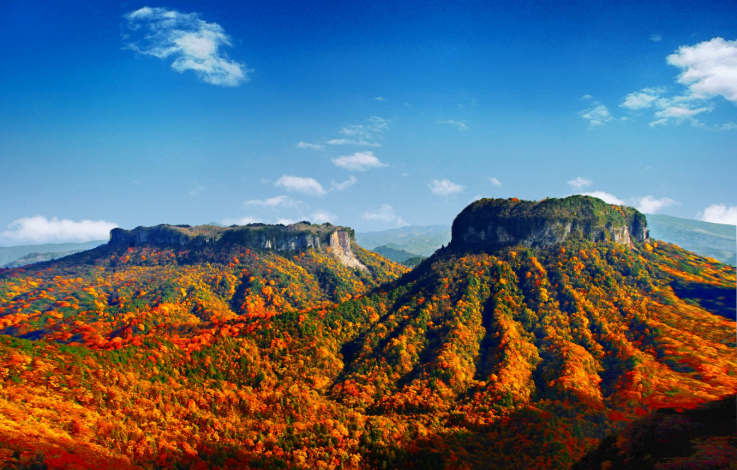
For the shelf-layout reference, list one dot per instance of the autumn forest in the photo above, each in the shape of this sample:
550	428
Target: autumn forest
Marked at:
292	347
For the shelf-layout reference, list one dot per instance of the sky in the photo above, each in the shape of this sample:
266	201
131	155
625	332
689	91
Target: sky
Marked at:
372	115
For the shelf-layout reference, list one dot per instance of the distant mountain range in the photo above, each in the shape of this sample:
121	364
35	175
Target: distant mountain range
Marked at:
705	238
16	256
416	239
718	241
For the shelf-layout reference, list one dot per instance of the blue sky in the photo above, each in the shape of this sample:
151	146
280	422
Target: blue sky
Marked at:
365	114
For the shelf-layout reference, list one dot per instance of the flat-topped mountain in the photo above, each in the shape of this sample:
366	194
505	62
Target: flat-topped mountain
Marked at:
491	224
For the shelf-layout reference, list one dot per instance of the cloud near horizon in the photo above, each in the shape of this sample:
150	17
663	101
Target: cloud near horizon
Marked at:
720	214
276	202
301	185
193	43
39	229
444	187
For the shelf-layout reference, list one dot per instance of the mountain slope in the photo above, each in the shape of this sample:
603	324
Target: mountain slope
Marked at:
247	348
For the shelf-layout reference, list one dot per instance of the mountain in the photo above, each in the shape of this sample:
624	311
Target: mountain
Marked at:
541	329
418	239
395	254
718	241
10	254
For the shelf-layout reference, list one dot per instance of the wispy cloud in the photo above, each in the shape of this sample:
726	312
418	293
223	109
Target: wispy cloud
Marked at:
193	43
708	71
444	187
380	98
720	214
360	142
656	37
39	229
276	202
495	181
460	125
345	184
375	126
307	145
642	99
384	214
359	161
197	190
579	183
300	184
597	115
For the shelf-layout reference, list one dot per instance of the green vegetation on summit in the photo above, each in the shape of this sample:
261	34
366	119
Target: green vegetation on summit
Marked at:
253	347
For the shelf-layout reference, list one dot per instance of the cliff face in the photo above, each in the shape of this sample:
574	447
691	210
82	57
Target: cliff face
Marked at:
490	224
296	237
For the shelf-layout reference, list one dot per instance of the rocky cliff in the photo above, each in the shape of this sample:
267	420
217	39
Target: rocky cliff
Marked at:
295	237
490	224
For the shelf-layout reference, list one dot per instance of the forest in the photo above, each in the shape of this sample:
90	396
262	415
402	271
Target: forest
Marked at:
231	355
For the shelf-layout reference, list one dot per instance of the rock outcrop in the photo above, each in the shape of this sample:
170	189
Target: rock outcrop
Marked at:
491	224
295	237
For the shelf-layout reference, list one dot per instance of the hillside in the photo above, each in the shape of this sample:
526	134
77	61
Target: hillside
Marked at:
718	241
267	347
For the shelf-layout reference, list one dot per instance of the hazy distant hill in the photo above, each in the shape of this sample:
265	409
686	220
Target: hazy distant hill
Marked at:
717	241
397	255
420	239
9	254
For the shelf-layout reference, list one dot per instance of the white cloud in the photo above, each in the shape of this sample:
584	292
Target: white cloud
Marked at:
579	183
193	43
597	115
241	221
276	202
678	114
301	185
650	205
320	217
380	98
385	214
495	182
644	98
345	184
606	197
709	68
444	187
656	38
359	161
720	214
39	229
460	125
361	142
307	145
